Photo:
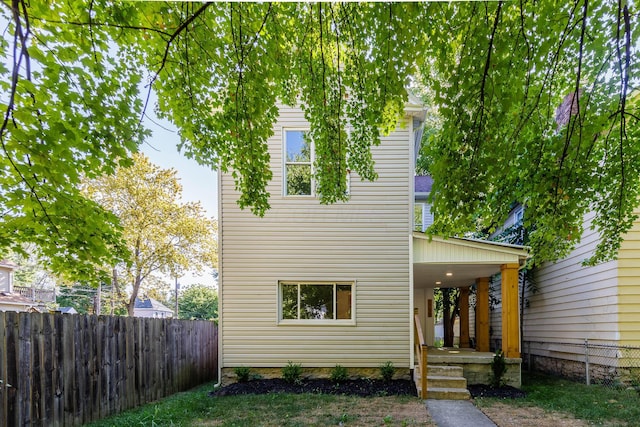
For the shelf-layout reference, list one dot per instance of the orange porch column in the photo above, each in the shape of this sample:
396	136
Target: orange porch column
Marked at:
510	311
482	314
464	317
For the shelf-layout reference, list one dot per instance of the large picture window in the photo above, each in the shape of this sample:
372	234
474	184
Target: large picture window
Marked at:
316	300
298	179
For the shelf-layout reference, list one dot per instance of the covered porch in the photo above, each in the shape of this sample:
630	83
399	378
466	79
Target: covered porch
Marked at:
463	263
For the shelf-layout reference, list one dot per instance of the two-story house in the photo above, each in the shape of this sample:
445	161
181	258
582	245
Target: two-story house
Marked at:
323	285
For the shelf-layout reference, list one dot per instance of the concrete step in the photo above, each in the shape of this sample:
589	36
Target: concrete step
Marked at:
443	393
444	371
435	381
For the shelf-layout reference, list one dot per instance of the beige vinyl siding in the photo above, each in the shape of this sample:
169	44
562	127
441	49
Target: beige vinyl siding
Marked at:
365	241
573	303
629	287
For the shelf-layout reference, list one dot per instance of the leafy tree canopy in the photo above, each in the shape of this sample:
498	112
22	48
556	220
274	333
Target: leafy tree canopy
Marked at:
198	302
162	234
497	71
537	104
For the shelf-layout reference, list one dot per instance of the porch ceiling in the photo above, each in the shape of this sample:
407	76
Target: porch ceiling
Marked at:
464	260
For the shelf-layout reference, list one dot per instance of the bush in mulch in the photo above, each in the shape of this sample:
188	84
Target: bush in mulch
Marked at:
503	392
360	387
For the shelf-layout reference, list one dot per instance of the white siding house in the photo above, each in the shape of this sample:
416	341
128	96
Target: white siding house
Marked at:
149	307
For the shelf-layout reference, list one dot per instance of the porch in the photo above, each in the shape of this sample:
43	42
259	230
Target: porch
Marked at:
463	263
476	365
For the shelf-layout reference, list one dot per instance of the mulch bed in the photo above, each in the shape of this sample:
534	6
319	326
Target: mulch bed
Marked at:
504	392
361	387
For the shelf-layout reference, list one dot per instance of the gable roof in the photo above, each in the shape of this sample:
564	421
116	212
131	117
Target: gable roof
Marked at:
150	303
9	265
423	184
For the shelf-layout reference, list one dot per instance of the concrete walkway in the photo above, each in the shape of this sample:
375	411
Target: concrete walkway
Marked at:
457	413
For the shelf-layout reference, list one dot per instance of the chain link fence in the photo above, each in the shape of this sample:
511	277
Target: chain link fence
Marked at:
590	362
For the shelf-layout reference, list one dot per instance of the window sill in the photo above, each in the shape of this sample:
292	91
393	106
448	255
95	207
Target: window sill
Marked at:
350	322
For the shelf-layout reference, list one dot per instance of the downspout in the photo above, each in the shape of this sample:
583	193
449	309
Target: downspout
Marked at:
220	280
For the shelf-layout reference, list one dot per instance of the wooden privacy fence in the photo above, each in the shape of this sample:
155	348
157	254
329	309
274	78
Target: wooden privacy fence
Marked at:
62	369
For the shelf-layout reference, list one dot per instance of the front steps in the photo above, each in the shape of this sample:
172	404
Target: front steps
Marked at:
444	383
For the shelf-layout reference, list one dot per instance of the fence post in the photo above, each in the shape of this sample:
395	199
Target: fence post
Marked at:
586	359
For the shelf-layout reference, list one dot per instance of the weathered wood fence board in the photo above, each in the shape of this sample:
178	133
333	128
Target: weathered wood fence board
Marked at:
62	369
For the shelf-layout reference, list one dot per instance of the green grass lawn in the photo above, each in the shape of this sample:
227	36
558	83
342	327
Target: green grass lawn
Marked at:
197	408
595	404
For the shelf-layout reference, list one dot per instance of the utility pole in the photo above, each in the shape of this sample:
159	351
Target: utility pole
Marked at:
177	289
97	300
114	283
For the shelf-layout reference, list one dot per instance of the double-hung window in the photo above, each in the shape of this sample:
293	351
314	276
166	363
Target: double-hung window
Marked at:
298	176
313	301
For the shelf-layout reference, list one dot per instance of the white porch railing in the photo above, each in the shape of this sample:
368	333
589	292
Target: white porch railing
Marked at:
36	295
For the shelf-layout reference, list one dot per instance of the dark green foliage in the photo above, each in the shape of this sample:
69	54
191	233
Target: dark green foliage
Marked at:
242	373
498	369
339	374
387	370
81	298
198	302
292	372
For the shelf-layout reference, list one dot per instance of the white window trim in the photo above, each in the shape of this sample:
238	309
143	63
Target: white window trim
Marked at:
316	322
285	163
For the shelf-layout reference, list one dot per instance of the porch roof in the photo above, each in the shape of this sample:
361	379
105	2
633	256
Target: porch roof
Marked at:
465	259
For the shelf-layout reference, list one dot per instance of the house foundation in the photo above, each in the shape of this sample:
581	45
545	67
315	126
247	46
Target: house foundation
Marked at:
229	376
476	365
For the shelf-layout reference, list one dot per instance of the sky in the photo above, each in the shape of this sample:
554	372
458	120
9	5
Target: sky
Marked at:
199	183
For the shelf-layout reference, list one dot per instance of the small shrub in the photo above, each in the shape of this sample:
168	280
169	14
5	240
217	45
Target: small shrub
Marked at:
242	373
292	372
387	370
498	369
339	374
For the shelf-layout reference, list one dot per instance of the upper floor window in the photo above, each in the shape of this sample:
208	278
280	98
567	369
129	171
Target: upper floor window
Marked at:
298	180
518	215
422	216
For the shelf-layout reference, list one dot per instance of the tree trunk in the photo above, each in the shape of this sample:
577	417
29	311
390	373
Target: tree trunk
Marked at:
446	317
449	314
134	294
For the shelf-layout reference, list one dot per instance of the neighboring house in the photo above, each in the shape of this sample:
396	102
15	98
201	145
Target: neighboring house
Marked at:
9	299
577	316
574	303
322	285
422	216
66	310
149	307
